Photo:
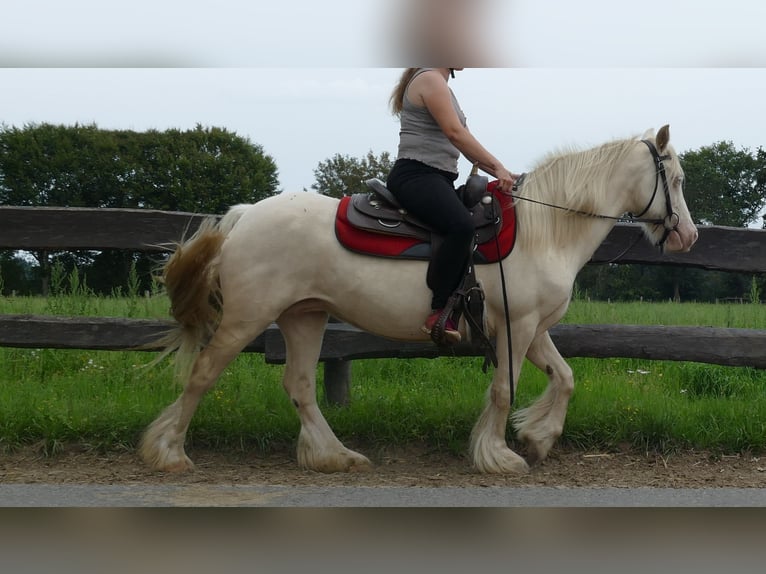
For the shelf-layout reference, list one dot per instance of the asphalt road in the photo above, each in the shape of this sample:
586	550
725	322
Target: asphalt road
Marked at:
134	496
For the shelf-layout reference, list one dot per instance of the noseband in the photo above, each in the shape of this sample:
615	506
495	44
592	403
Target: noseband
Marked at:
671	219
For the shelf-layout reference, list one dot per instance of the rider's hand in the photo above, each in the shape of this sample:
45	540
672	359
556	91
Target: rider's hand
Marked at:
506	180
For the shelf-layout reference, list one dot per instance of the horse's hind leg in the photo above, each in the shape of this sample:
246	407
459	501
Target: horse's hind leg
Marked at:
162	445
540	424
318	447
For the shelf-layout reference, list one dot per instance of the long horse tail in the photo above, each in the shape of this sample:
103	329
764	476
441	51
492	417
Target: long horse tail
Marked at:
191	281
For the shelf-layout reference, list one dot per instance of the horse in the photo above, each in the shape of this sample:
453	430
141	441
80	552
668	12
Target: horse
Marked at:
279	261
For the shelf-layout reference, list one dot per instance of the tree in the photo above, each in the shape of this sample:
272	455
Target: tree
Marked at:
204	170
344	175
201	170
17	275
725	186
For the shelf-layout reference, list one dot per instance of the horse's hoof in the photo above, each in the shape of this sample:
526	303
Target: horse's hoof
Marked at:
342	462
519	467
180	466
360	466
532	459
510	464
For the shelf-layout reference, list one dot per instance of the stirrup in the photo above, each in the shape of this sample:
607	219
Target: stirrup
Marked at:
439	332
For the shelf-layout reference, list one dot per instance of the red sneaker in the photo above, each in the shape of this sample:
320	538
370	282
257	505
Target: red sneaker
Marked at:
451	334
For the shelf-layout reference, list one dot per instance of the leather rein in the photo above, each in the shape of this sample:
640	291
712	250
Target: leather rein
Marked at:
669	222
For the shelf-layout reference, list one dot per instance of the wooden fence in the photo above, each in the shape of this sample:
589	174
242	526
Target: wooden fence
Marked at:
719	248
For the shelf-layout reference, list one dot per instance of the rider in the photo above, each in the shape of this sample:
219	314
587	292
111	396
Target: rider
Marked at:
433	134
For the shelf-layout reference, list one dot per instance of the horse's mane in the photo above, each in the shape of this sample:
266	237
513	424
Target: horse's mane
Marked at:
572	178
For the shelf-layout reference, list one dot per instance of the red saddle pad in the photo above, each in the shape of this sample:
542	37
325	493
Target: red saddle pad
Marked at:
386	245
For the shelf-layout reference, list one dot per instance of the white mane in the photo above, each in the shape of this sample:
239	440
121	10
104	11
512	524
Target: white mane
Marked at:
576	179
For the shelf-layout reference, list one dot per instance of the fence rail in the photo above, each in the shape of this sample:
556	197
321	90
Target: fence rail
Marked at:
51	229
60	228
722	346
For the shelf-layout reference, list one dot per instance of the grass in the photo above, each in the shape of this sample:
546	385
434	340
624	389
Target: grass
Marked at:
667	406
736	315
103	400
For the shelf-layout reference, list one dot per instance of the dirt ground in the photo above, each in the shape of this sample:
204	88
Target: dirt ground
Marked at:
412	466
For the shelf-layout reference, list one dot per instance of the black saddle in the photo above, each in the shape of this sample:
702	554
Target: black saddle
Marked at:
379	211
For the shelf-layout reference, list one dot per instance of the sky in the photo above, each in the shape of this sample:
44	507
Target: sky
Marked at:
307	80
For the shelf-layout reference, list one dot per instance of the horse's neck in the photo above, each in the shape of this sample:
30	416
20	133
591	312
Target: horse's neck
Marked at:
582	251
572	237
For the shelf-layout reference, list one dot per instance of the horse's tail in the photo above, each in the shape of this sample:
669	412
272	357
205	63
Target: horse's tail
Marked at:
190	277
227	222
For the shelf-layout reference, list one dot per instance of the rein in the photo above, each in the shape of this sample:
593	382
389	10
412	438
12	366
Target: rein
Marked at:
669	222
509	341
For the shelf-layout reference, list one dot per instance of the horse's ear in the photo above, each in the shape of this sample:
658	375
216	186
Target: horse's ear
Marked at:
663	137
648	134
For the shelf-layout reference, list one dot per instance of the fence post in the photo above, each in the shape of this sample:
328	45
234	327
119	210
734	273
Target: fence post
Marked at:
337	381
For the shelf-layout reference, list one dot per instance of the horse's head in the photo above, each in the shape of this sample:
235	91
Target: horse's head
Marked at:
662	207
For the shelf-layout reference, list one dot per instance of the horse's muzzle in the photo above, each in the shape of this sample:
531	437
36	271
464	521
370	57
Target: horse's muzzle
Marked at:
681	238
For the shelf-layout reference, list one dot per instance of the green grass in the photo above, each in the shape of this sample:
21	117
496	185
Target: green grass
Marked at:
666	406
741	316
105	399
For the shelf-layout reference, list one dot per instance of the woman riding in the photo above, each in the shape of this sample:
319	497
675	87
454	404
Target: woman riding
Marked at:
433	134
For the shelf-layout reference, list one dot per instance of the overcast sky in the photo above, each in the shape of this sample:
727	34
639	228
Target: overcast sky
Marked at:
308	79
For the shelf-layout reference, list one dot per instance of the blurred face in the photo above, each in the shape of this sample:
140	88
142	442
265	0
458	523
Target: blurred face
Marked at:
439	32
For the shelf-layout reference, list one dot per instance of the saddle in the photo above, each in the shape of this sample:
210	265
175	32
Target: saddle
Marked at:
378	211
374	223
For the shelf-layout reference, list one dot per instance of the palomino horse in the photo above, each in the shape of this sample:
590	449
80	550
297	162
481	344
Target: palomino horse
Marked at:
279	261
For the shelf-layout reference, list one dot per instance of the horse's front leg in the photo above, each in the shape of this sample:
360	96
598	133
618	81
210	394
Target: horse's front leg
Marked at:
542	423
318	447
489	448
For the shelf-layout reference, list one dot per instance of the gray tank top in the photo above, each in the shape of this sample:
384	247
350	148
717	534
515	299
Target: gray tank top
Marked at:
421	138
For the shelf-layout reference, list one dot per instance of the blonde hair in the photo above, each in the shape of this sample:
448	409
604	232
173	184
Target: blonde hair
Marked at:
397	96
576	179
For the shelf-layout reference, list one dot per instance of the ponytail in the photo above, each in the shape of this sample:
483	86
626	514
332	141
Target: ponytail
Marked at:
397	96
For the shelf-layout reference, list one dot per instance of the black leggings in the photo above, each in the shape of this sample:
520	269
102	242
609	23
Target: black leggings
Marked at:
429	195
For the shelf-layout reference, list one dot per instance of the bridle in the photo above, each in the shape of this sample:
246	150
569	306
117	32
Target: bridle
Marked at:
669	222
671	219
